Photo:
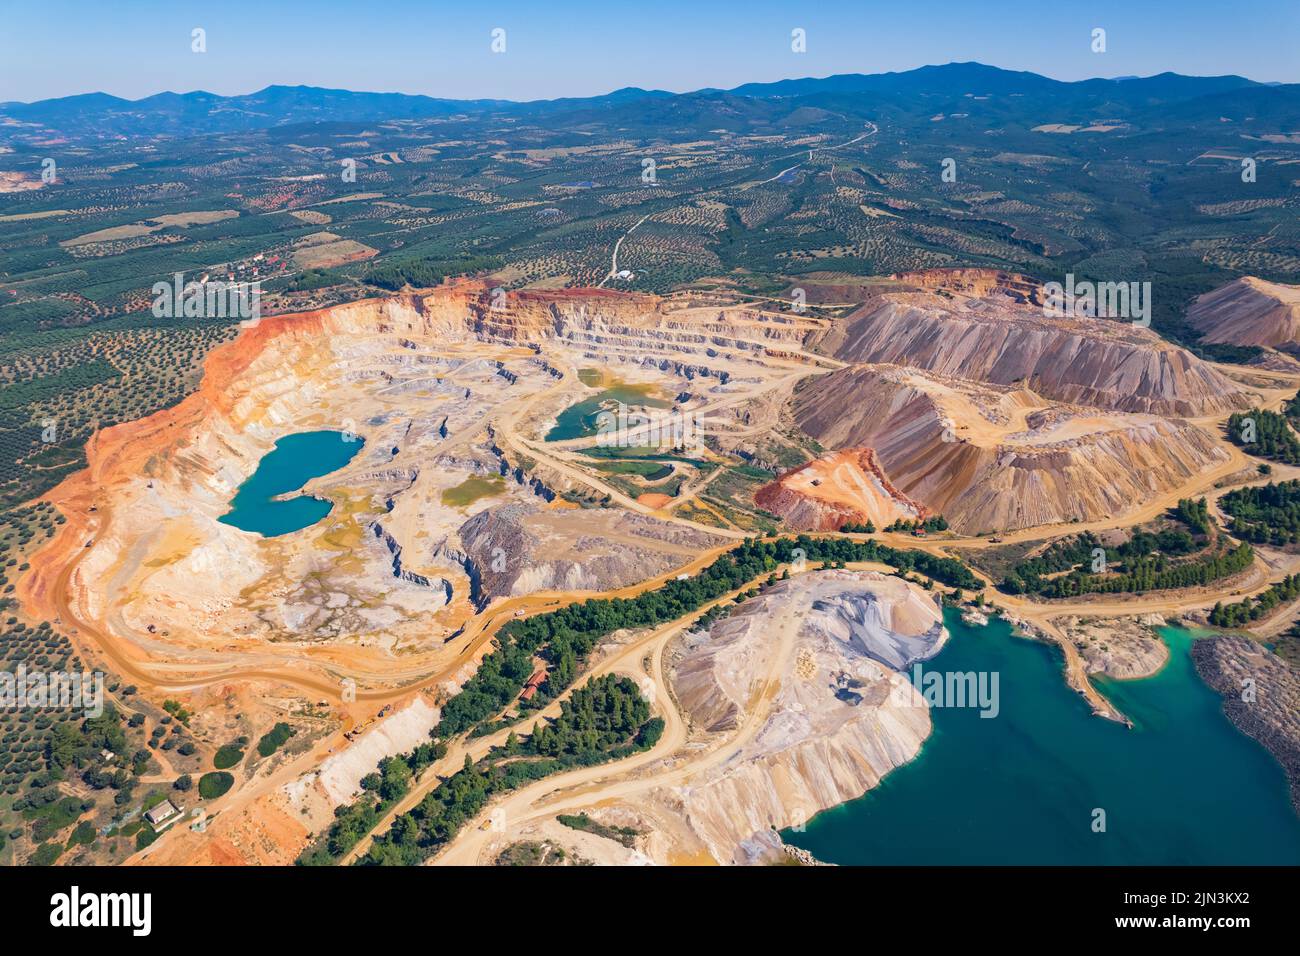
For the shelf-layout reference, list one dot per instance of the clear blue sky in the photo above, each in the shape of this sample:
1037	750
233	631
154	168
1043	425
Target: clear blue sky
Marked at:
133	48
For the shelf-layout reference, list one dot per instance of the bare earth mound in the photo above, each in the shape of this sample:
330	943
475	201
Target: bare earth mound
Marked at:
1248	311
837	489
797	684
1001	339
995	458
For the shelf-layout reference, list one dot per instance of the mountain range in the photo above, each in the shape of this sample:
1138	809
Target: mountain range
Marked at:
999	94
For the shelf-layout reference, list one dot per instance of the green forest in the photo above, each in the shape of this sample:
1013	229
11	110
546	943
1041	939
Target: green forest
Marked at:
1169	557
1272	439
1269	514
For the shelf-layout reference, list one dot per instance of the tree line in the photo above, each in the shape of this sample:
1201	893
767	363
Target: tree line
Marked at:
1264	434
425	273
606	719
1145	561
1242	613
1154	573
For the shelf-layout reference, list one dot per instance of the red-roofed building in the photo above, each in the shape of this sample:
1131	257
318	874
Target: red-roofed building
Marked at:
534	682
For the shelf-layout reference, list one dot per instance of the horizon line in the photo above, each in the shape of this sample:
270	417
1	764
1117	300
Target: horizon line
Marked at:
702	89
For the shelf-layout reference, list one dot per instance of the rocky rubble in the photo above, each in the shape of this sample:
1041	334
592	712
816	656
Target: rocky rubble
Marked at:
1261	696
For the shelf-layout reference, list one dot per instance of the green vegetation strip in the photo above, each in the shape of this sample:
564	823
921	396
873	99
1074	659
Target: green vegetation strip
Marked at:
423	273
1253	608
649	470
624	835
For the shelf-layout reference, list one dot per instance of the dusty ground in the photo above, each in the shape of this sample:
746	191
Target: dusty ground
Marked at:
1120	647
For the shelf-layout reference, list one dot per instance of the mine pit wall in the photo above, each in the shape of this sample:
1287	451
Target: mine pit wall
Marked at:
121	454
620	326
482	536
460	558
517	473
395	550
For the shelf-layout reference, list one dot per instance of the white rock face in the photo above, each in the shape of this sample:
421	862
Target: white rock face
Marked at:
339	776
864	621
806	679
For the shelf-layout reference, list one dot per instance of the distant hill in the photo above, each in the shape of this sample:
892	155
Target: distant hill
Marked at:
202	112
1001	95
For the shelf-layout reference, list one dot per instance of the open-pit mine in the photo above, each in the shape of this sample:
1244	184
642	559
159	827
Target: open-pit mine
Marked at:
505	454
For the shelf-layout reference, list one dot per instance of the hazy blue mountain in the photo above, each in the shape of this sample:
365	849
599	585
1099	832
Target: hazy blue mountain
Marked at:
993	94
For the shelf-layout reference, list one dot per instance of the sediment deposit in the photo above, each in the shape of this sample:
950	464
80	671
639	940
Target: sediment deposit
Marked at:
1248	311
992	458
802	688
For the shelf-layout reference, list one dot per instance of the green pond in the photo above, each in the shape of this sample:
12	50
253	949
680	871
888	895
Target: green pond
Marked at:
472	489
1182	787
294	461
579	419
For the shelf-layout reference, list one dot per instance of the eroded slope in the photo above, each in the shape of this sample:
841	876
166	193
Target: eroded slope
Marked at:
992	459
1001	339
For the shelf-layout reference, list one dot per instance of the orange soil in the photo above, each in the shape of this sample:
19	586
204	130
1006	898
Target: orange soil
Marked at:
842	488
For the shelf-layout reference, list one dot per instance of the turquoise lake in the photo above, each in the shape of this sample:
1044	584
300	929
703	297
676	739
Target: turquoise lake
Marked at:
1182	787
295	460
579	419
